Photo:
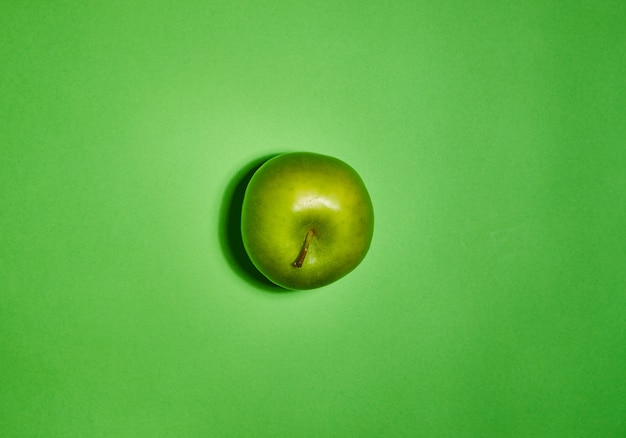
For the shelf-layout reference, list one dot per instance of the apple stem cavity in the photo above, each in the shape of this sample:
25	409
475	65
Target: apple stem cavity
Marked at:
305	247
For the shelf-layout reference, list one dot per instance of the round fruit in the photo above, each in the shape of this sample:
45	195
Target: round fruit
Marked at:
307	220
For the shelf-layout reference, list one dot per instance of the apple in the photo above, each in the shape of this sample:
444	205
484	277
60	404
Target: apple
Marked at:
306	220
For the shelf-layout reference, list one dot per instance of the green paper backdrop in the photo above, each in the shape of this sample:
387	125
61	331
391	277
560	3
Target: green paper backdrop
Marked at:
491	136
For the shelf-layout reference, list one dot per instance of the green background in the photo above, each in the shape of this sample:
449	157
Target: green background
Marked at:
491	136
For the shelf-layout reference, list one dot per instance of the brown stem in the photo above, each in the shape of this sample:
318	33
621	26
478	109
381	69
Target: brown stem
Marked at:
305	247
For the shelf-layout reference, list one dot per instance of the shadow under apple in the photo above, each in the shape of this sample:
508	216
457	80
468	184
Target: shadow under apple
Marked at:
230	229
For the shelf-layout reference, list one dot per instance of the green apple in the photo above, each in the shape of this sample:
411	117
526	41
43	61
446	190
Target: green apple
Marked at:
307	220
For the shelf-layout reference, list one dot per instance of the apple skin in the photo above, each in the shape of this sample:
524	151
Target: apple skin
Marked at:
296	192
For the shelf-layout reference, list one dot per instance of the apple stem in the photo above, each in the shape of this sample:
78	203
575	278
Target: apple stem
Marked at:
305	247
